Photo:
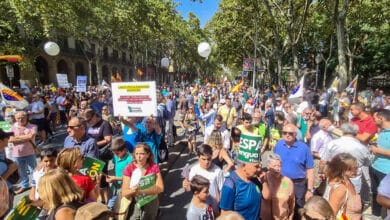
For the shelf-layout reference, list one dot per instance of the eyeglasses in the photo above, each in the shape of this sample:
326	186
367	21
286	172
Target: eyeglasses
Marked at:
288	133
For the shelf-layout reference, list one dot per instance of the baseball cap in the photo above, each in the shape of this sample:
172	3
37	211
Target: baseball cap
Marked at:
4	134
222	101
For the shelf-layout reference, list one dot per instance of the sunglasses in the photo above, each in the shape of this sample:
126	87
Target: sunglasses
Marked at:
288	133
73	127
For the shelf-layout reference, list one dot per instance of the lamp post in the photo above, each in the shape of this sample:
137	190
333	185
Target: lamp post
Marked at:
254	56
318	60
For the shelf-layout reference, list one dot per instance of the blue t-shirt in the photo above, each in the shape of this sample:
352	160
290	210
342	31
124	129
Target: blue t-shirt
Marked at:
240	196
296	159
382	163
4	167
130	136
152	139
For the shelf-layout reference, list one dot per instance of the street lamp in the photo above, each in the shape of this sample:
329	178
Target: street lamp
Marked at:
318	60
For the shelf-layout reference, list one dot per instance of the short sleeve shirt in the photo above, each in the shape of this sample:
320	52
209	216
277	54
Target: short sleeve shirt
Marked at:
85	183
242	197
87	146
26	148
100	130
131	167
366	125
296	159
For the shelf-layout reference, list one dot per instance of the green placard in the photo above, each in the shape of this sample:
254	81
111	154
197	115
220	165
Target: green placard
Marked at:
5	125
145	183
92	167
250	146
23	211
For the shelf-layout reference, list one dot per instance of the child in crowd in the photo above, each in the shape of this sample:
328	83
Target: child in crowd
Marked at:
71	160
210	171
48	162
121	159
199	209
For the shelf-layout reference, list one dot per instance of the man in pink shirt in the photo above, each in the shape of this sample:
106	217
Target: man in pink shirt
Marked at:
23	150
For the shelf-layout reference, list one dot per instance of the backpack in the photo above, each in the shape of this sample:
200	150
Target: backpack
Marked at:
93	211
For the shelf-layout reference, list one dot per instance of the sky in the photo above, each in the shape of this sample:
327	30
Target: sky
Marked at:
204	11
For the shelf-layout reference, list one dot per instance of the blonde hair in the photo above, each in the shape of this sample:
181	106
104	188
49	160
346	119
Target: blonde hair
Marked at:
67	158
56	187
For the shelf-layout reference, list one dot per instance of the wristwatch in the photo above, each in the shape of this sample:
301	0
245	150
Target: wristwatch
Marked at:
311	190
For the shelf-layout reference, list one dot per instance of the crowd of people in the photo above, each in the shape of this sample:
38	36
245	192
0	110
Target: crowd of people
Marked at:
327	154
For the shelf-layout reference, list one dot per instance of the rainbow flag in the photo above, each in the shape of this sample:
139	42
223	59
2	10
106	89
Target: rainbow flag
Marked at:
11	98
352	85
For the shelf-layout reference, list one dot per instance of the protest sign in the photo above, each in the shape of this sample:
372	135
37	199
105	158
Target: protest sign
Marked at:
92	167
135	99
145	183
81	85
23	211
250	146
5	126
62	80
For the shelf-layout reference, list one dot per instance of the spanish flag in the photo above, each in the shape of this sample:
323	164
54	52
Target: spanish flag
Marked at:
237	87
11	98
352	85
195	89
139	71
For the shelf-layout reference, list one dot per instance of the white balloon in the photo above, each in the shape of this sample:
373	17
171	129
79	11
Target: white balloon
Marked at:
204	49
51	48
165	62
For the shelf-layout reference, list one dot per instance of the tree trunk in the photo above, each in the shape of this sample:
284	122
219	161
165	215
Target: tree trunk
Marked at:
340	17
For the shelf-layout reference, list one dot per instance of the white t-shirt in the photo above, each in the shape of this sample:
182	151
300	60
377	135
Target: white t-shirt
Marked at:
216	178
384	190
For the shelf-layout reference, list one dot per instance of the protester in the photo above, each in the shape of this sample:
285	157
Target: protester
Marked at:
23	150
150	133
37	112
228	113
218	130
191	125
209	115
381	164
101	131
121	159
365	122
210	171
137	186
198	208
383	197
297	165
317	208
48	162
78	136
278	192
6	169
71	160
60	195
340	192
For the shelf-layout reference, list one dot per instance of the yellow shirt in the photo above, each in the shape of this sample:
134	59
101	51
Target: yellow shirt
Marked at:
224	111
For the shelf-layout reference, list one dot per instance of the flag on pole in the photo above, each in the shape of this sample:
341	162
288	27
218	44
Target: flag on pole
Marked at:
237	87
352	85
195	89
104	84
334	87
12	98
298	91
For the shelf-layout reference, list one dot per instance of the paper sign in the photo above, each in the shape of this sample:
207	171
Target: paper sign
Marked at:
5	125
134	99
250	146
92	167
81	84
62	80
23	211
145	183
